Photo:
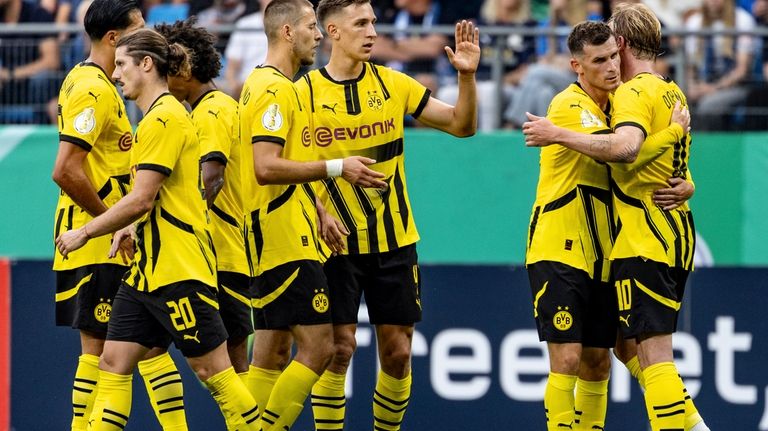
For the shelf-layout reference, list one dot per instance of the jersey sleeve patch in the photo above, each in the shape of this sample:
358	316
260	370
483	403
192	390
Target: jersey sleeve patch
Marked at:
85	121
272	118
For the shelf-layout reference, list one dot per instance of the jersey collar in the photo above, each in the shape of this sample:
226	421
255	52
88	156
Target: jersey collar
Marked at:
152	106
200	99
90	63
327	76
268	66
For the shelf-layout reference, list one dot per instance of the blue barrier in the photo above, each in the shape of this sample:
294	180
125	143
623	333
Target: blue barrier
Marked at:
477	360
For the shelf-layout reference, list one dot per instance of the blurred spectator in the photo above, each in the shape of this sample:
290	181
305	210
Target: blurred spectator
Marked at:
552	72
80	44
223	12
721	65
247	48
756	106
672	13
419	55
517	52
167	11
27	65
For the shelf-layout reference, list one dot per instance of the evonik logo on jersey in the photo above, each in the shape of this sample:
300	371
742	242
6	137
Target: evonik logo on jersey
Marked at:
324	136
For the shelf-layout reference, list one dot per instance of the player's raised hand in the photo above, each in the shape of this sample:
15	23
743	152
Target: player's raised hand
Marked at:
356	171
71	240
682	116
467	55
539	131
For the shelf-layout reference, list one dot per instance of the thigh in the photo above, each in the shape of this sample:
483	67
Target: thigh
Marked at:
85	296
560	296
235	304
295	293
132	321
392	287
649	296
344	275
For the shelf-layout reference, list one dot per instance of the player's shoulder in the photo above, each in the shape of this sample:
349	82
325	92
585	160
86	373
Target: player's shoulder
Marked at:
573	97
167	114
87	78
216	103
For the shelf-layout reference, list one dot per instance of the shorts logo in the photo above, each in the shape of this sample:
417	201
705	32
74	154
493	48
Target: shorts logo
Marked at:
103	310
192	337
563	319
85	121
272	120
625	319
320	302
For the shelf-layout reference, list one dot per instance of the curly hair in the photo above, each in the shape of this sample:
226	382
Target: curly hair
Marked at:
205	61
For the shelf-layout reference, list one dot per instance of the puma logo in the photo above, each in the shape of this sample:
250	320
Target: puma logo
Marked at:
215	114
272	92
625	320
95	97
162	121
192	337
576	105
636	91
331	108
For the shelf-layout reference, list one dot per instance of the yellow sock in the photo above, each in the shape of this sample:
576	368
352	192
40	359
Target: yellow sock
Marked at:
590	404
633	365
260	383
692	416
559	401
390	399
287	398
329	402
664	397
84	390
165	390
113	402
234	400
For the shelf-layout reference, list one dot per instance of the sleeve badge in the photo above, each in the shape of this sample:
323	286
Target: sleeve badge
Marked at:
85	121
272	120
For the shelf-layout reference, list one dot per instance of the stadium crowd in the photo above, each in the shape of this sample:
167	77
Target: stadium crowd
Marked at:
725	76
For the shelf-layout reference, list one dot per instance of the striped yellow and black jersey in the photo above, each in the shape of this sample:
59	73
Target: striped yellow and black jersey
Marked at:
218	129
648	231
364	117
572	220
92	116
282	224
174	243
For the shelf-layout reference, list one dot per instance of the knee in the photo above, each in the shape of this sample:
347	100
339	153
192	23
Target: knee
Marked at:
596	366
342	350
396	359
566	362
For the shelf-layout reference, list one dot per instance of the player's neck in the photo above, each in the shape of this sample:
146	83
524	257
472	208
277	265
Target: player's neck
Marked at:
599	96
342	67
150	93
283	61
198	89
633	67
104	57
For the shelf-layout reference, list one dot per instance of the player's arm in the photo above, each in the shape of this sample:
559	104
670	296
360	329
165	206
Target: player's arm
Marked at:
271	168
127	210
459	120
331	230
679	191
69	175
213	178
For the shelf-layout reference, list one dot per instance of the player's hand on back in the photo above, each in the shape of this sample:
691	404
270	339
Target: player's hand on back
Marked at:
682	116
539	131
356	171
467	55
123	243
676	194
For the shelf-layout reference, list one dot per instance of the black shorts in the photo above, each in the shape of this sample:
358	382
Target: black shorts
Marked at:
84	296
235	304
185	313
571	307
649	295
294	293
391	282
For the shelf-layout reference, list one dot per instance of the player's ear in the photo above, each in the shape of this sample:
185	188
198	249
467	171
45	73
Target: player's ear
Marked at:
332	31
621	43
575	66
286	32
112	36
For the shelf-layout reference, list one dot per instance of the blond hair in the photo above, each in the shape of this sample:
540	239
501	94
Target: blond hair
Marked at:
639	27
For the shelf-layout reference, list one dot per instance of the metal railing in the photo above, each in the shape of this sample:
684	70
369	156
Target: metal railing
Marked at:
27	102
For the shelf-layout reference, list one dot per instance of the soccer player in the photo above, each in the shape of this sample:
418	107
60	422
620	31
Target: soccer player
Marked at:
653	252
358	108
214	113
571	233
92	169
169	294
290	289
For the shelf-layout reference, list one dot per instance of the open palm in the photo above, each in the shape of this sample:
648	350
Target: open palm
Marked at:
467	55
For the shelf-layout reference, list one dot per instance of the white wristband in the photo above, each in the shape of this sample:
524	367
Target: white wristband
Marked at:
334	168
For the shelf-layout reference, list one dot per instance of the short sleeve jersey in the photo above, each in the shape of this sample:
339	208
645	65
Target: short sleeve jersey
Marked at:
364	117
92	116
572	220
282	224
174	243
648	231
218	129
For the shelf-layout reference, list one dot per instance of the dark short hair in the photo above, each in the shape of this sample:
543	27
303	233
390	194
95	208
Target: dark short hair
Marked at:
327	8
588	33
105	15
281	12
168	59
204	60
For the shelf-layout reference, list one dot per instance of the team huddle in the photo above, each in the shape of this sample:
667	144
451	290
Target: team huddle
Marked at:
272	216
